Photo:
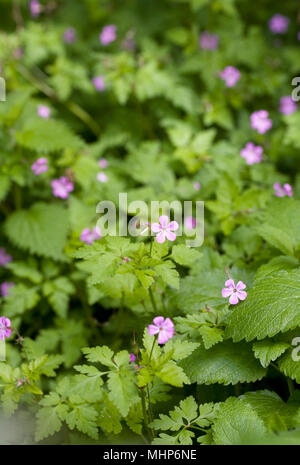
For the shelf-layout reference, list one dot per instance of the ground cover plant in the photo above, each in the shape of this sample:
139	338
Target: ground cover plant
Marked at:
144	340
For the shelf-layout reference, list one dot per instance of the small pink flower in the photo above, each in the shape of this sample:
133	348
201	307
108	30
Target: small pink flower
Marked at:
260	121
197	186
287	105
4	288
103	163
163	327
279	24
234	292
99	83
4	257
230	75
89	236
108	34
62	187
252	153
190	222
69	35
35	8
102	177
282	191
209	41
5	327
132	358
164	229
298	35
43	111
40	166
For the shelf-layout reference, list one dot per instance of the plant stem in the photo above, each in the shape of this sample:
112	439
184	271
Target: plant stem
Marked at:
152	300
73	107
290	386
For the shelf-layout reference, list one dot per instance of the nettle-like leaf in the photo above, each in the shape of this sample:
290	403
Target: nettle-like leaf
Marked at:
236	422
267	351
47	136
279	225
225	363
272	306
42	229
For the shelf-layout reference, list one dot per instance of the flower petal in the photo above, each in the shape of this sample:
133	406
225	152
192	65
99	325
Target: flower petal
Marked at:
162	337
240	285
164	220
170	235
159	320
173	226
242	295
226	292
233	300
152	330
229	283
161	237
156	227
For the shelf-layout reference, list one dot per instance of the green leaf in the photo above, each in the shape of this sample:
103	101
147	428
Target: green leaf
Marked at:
279	225
42	229
267	351
122	390
99	354
272	306
47	136
225	363
83	417
235	422
185	256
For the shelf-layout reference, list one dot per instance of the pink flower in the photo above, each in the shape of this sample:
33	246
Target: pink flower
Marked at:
108	34
230	75
62	187
164	229
209	41
35	8
102	177
197	186
190	222
279	24
234	291
260	121
40	166
252	153
298	35
103	163
69	35
282	191
43	111
4	257
89	236
287	105
132	358
4	288
99	83
5	327
163	327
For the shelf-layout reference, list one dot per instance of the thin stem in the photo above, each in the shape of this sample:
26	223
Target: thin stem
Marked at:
290	386
152	300
73	107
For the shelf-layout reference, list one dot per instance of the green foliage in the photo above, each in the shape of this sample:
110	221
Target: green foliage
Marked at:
80	363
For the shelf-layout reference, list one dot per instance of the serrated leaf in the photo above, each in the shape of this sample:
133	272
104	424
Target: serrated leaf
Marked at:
272	306
225	363
267	351
42	229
